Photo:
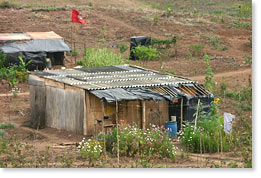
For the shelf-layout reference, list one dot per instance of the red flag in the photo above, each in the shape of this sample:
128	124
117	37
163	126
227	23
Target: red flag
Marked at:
77	18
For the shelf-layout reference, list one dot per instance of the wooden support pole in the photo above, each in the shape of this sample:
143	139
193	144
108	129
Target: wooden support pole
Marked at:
143	115
118	142
71	44
181	115
74	47
196	120
104	141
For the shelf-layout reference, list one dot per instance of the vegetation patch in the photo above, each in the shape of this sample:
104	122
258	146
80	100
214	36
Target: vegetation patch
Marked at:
100	57
153	142
145	53
49	9
7	5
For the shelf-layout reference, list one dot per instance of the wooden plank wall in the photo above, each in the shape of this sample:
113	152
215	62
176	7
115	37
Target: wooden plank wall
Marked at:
156	113
63	105
37	101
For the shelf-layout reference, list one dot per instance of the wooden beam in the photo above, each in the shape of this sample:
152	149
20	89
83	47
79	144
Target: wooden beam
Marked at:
104	141
118	144
143	115
181	115
196	120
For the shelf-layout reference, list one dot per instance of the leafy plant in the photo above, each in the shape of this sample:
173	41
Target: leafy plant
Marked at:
155	20
209	83
91	150
7	5
6	125
90	4
145	53
208	135
196	49
248	59
123	47
100	57
152	142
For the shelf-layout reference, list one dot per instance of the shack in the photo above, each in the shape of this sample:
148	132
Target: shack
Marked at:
35	46
85	100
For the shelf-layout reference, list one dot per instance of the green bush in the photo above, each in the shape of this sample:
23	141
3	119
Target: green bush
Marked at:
100	57
209	136
6	125
90	149
133	141
13	74
123	47
145	53
196	50
7	4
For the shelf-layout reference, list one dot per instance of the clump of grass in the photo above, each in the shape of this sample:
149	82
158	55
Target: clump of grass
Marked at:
100	57
196	50
48	9
7	5
123	47
241	24
208	136
6	125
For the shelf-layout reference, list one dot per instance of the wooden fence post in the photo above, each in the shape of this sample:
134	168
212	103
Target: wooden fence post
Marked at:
196	120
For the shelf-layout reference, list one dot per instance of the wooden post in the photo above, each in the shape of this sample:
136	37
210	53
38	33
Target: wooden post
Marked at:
143	115
181	115
196	116
71	44
84	50
104	141
74	53
118	144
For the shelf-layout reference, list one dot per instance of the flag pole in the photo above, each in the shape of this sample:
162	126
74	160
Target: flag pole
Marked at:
72	45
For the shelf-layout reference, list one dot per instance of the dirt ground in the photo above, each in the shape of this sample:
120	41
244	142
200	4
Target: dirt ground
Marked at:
124	19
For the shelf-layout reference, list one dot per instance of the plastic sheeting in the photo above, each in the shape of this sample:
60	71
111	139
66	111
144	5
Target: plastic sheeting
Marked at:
130	94
136	41
50	45
228	122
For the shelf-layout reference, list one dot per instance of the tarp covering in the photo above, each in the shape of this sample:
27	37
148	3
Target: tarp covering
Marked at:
130	94
49	45
38	59
138	41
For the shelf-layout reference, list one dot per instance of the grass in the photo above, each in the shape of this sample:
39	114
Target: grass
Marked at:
196	50
241	24
204	7
100	57
8	5
6	125
49	9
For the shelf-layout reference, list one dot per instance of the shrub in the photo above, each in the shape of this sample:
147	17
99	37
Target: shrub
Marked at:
208	136
100	57
196	50
133	141
13	74
90	149
7	4
123	47
6	125
143	52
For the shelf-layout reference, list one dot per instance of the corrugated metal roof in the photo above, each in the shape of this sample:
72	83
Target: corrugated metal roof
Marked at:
122	76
